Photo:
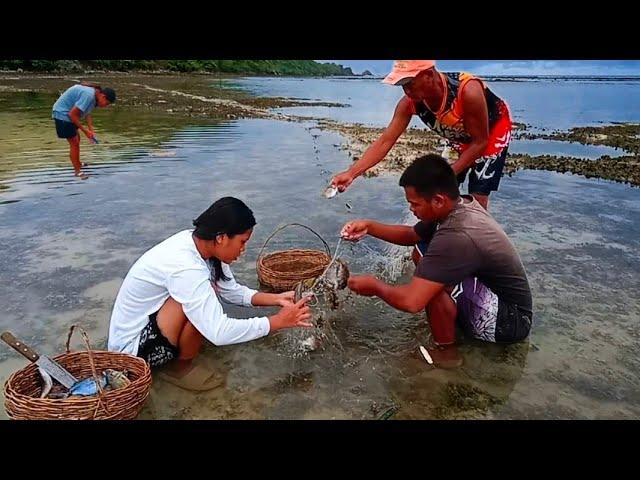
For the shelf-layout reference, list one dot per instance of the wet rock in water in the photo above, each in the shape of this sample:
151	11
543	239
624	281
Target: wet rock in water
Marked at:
623	169
416	142
464	401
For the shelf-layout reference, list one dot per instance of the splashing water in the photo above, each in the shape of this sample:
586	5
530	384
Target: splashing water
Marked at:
391	261
389	264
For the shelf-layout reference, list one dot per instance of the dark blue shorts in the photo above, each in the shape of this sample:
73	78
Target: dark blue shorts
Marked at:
485	175
65	129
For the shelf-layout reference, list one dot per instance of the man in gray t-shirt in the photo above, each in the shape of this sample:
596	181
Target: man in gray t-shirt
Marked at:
467	270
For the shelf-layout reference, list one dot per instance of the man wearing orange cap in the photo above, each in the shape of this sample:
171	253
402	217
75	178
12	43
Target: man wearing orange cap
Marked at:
459	107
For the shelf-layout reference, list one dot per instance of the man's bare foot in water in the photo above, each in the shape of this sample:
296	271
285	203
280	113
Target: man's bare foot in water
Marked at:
445	356
81	175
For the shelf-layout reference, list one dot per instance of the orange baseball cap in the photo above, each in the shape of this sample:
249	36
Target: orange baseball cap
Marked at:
404	70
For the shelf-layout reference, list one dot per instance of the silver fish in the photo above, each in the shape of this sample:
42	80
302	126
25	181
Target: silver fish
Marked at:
425	354
330	192
47	383
337	275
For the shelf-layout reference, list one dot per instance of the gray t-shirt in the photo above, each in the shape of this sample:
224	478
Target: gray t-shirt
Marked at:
470	243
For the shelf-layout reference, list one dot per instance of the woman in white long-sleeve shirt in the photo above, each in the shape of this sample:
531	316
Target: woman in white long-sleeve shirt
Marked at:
167	303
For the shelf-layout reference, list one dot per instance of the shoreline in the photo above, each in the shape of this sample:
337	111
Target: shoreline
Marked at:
181	95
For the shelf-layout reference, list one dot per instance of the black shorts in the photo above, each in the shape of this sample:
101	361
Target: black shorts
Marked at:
65	129
485	175
154	347
514	324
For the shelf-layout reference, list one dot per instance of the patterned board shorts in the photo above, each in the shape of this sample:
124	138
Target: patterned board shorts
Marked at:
482	315
154	347
485	174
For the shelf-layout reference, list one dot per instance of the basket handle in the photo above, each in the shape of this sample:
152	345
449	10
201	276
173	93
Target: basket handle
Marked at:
326	246
85	339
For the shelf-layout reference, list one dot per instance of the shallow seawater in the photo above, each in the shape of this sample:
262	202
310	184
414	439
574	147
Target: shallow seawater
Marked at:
67	244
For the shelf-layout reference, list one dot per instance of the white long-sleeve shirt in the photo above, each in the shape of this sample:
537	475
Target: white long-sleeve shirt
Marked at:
174	268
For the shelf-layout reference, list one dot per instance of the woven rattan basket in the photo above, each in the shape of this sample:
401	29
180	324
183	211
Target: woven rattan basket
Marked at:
23	388
282	270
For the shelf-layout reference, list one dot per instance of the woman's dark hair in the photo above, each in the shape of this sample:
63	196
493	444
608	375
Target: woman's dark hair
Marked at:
227	215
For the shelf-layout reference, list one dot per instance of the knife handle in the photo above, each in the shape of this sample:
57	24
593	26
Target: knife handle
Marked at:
19	346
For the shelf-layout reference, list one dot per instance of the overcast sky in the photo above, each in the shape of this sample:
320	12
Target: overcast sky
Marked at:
511	67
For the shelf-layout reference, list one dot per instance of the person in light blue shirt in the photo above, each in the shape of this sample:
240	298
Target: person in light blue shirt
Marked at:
76	104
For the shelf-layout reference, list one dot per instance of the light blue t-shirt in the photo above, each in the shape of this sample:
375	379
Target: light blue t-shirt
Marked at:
77	96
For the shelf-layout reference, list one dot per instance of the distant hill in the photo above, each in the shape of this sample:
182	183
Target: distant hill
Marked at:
248	67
